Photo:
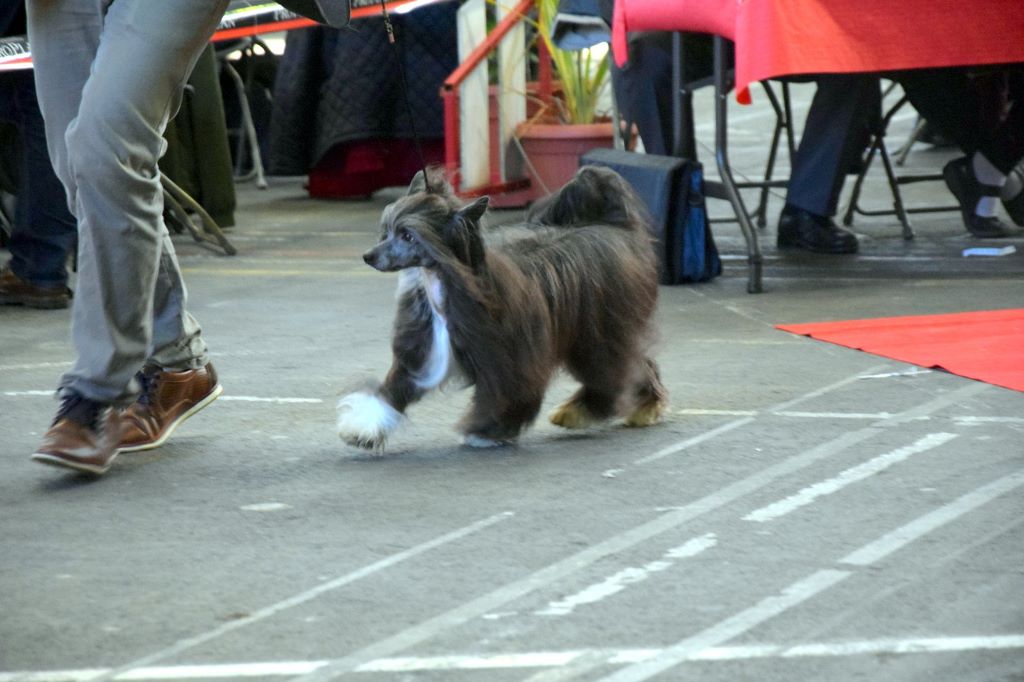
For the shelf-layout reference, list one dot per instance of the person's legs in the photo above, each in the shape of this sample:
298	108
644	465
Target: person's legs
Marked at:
961	105
130	298
831	141
44	231
643	91
105	133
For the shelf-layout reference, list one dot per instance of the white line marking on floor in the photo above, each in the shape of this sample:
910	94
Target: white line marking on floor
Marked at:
817	582
737	423
308	595
265	506
832	485
489	602
897	539
34	365
571	564
817	393
694	412
834	415
695	440
628	576
962	419
905	646
580	665
745	620
177	672
914	371
969	420
538	659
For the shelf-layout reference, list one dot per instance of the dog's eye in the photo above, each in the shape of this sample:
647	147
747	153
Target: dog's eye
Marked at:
405	236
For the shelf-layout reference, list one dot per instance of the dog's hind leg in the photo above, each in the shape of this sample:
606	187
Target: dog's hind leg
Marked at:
585	407
604	379
492	423
649	397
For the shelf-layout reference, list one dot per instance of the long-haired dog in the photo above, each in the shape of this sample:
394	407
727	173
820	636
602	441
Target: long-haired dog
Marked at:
575	288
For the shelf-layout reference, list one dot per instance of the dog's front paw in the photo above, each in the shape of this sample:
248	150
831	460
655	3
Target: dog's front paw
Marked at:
366	420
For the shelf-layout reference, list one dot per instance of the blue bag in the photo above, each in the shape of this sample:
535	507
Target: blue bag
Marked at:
673	191
691	246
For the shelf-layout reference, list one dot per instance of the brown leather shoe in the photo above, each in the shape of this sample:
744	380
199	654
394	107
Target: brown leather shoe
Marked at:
84	436
168	398
16	291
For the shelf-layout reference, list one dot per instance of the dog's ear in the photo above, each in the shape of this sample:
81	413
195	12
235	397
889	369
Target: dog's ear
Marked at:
462	234
418	184
473	212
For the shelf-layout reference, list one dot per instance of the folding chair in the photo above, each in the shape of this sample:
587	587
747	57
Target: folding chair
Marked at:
878	146
248	145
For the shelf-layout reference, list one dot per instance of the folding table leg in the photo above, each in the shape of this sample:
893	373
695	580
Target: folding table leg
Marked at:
726	189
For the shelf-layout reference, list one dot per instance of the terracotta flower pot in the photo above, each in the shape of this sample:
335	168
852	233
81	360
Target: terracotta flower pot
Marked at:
554	149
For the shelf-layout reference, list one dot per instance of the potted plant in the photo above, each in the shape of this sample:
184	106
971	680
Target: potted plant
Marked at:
569	122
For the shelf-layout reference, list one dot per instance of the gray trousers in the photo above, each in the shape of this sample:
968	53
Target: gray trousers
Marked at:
109	77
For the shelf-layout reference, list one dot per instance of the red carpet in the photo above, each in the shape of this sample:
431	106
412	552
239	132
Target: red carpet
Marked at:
986	345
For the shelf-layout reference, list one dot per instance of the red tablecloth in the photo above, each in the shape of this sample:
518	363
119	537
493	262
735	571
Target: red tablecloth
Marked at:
788	37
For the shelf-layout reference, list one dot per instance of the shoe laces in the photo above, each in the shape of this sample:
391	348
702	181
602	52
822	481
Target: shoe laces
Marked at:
80	410
149	380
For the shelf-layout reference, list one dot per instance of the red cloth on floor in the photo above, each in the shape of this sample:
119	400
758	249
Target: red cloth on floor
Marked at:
987	345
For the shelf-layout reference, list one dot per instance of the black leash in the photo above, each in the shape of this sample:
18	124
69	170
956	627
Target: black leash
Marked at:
405	88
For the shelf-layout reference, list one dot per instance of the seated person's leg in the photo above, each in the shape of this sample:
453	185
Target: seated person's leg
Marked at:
957	104
643	88
44	230
831	141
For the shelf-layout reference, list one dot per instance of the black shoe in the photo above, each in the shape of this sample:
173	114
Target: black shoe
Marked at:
959	177
800	229
1012	194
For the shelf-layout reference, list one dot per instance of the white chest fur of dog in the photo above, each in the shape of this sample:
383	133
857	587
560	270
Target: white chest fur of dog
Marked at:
438	364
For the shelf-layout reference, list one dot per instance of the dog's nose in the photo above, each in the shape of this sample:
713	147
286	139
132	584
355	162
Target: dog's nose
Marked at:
369	257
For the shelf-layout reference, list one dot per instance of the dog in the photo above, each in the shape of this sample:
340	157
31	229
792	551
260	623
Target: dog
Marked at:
576	287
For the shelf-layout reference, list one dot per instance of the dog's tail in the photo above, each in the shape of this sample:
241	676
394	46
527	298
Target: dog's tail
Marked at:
595	195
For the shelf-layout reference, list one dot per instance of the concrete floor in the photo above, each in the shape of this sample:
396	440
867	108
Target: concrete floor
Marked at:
806	512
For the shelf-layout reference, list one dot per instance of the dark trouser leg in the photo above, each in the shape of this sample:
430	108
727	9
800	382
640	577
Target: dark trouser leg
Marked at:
44	230
831	140
950	100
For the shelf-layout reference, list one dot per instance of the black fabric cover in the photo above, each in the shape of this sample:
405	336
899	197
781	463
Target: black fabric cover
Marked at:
337	86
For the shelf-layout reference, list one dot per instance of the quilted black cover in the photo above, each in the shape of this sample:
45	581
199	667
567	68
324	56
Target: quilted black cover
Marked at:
340	85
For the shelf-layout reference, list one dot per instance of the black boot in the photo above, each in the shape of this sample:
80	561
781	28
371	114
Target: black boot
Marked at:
800	229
